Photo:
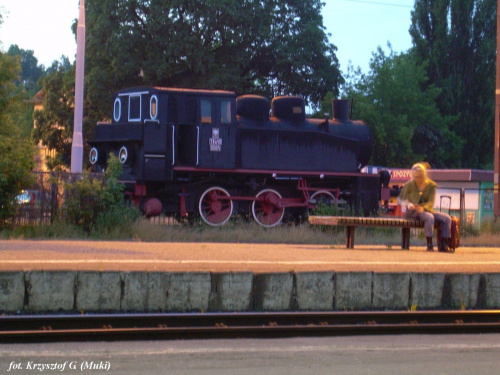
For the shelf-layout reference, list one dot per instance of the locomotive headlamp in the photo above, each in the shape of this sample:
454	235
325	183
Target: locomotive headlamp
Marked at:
123	155
93	156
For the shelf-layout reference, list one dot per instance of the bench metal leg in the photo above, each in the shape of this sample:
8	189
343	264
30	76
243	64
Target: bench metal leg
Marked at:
405	238
350	237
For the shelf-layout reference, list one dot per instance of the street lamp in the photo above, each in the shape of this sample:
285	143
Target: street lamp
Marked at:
77	146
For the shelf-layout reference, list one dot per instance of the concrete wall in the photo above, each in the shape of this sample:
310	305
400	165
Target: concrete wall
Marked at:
82	291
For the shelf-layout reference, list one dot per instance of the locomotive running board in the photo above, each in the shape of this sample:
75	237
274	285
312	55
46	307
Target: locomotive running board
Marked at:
275	173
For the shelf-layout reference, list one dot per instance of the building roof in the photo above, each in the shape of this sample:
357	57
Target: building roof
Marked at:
472	175
38	98
400	175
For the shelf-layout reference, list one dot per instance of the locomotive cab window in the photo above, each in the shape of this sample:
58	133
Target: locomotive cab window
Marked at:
134	108
117	109
206	111
153	107
225	112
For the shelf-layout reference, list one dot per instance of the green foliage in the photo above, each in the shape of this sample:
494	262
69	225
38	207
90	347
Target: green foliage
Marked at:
83	201
55	121
15	152
269	47
394	100
457	41
97	205
322	209
26	86
15	166
31	72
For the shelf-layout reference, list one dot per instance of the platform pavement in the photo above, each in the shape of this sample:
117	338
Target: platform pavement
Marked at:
86	276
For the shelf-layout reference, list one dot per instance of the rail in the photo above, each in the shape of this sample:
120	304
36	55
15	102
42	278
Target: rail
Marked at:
108	327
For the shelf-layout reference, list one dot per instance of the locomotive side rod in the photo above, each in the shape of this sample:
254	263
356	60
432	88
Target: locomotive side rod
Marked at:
291	202
279	202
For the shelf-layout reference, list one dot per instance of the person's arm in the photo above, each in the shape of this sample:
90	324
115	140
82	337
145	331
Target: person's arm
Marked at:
404	197
429	204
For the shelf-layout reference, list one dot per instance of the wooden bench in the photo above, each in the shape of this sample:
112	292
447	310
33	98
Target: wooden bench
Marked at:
352	222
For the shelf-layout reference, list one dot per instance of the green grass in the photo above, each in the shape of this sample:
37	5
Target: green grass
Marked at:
240	231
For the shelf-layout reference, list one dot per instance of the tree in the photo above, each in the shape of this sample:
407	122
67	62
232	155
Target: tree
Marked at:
27	86
31	72
54	124
15	152
299	59
457	40
269	47
405	121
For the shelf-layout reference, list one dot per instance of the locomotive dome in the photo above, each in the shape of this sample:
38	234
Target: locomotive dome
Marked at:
254	107
289	108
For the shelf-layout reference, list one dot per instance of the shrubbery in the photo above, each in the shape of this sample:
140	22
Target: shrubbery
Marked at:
15	151
97	205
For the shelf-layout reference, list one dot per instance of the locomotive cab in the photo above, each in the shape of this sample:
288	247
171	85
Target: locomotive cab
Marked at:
208	140
139	135
154	129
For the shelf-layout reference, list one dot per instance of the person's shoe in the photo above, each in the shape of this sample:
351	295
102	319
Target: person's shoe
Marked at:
443	246
429	244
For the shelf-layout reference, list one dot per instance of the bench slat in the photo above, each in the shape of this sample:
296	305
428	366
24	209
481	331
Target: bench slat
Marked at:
352	222
362	221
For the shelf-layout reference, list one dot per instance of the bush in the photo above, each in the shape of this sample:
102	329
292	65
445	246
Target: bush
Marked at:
323	209
115	222
95	204
15	175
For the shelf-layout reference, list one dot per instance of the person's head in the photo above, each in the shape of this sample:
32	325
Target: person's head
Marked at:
419	172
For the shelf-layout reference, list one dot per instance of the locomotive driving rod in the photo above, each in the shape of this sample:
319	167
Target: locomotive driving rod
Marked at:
277	201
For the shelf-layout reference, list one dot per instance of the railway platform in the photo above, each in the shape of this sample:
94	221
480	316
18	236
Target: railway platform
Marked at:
99	276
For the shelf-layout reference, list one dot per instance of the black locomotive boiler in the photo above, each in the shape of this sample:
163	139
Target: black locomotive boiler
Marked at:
186	152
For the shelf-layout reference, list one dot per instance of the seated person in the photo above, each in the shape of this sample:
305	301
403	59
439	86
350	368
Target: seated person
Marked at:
418	195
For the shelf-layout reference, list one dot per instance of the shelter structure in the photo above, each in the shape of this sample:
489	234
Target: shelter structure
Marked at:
465	193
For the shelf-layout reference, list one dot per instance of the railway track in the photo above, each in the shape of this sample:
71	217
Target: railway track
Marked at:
109	327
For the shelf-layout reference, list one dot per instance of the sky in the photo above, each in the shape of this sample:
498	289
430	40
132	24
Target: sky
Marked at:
357	28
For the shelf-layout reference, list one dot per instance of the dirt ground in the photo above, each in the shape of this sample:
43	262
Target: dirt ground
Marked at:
237	257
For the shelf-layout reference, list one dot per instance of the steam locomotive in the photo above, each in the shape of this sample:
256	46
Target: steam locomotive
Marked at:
188	152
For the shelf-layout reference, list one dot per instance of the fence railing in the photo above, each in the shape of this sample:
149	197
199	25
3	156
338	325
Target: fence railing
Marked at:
44	201
471	205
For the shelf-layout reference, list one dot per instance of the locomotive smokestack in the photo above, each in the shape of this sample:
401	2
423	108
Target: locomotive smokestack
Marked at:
340	109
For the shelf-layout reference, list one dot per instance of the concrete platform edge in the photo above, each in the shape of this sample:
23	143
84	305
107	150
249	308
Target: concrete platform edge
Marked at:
94	291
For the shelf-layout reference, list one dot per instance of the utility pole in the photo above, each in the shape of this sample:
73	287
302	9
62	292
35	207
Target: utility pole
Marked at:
77	146
496	192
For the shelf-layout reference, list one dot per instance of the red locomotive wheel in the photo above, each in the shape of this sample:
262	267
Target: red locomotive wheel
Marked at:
328	199
215	206
323	197
266	209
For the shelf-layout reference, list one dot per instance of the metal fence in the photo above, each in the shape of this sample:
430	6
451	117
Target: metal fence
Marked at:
472	206
44	201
